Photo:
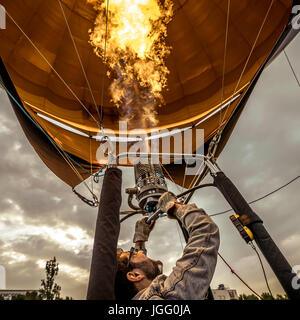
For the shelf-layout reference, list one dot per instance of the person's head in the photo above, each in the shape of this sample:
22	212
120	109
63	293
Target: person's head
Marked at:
136	275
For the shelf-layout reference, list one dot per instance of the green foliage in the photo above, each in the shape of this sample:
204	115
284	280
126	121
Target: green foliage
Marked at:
18	297
282	297
248	297
264	295
34	295
50	290
267	296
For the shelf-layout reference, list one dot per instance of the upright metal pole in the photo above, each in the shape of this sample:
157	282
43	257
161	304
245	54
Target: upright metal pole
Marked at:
249	218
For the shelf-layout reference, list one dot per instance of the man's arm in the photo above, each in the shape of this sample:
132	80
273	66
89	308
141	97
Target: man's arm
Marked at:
193	272
104	260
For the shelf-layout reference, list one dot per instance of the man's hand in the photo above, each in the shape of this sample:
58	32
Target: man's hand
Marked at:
142	230
168	204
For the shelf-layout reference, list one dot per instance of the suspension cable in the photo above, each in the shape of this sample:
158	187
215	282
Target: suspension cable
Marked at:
263	197
104	65
214	143
184	176
129	214
77	53
225	57
169	175
194	181
262	266
244	282
64	155
52	68
291	66
249	56
194	189
39	127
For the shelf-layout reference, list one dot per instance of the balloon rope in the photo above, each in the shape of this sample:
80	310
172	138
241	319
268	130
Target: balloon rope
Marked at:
69	162
52	68
171	178
224	60
184	176
91	163
78	55
104	66
169	175
248	59
193	183
244	282
71	165
290	64
88	84
179	235
64	155
260	198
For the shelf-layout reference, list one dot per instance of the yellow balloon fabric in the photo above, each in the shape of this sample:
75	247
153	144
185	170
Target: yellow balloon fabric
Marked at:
39	55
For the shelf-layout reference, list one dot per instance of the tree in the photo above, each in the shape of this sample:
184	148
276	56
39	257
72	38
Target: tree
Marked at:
264	295
33	295
247	297
50	290
267	296
282	297
18	297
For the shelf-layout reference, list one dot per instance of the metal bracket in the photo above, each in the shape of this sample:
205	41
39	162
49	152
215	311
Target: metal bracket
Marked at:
213	147
92	203
211	164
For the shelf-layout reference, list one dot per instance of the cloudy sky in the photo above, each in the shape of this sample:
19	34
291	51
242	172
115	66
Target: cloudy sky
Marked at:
41	218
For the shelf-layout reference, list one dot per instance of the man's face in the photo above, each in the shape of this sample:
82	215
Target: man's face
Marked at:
151	268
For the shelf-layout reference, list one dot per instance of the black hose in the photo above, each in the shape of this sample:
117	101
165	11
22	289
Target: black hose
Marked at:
130	214
195	188
131	205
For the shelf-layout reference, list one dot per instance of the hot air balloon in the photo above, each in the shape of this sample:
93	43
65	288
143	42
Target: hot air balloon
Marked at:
57	68
216	57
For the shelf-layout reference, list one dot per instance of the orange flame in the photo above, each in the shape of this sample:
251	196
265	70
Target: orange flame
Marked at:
135	53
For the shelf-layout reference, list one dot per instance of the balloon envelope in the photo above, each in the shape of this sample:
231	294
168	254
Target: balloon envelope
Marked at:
198	83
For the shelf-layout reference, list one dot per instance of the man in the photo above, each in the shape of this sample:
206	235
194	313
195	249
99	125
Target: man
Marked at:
135	276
